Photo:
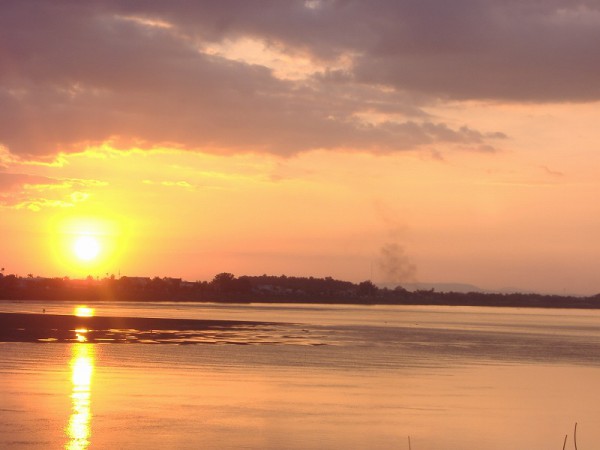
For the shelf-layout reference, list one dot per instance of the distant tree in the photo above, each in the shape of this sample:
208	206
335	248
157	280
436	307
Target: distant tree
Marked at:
157	284
243	285
366	289
125	284
10	281
224	282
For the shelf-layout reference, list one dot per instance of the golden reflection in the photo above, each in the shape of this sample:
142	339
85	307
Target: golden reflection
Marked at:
84	311
79	427
80	334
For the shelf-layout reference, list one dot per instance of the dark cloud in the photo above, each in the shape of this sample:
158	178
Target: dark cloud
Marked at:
74	73
537	58
465	49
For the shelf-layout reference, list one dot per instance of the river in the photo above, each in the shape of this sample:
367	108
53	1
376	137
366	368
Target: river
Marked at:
326	377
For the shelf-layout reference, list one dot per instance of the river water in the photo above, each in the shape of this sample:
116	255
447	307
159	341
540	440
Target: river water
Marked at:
326	377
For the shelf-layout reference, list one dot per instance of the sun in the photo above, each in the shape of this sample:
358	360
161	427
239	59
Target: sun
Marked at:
88	245
86	248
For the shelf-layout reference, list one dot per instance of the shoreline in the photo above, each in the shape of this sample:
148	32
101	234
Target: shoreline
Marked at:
441	299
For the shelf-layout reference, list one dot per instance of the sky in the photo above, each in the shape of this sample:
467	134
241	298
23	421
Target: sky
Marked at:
391	140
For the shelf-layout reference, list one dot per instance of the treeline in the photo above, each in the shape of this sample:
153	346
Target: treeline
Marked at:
225	287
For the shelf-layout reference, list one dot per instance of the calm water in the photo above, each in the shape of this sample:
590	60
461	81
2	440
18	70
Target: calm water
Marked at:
327	378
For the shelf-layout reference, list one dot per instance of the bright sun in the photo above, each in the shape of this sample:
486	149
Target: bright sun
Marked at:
86	248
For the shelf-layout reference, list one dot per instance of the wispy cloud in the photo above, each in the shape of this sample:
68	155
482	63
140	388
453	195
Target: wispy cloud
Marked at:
554	173
23	191
177	184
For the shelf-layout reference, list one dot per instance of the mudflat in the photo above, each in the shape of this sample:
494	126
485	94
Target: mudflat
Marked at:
20	327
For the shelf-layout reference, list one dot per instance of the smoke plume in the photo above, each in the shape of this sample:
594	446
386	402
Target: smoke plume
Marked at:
395	265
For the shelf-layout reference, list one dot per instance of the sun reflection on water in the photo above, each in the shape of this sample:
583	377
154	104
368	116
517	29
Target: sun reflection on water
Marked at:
80	334
79	427
83	311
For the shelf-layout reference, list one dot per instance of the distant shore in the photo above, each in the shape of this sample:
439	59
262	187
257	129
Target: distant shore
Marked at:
226	288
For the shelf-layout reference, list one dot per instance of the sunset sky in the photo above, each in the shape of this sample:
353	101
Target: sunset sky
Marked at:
398	141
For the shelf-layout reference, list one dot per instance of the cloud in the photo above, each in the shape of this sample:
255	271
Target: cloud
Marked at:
519	50
490	50
78	74
23	191
551	172
179	184
13	181
38	204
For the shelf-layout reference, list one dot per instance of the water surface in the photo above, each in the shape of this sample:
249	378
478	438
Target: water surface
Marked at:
450	377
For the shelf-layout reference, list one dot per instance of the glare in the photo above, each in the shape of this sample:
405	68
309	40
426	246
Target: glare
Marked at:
86	248
84	311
